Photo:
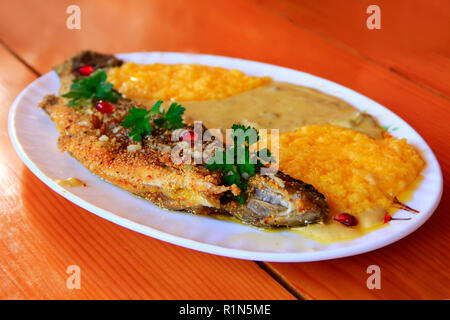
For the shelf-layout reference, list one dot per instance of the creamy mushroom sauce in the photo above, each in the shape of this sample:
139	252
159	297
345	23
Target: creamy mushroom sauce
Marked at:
282	106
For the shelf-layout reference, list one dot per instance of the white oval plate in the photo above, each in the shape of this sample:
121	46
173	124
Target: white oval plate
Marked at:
34	138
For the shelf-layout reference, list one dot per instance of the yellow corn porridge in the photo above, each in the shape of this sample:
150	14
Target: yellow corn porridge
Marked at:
355	172
180	82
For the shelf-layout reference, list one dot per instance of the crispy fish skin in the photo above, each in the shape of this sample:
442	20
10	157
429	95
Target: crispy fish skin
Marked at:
67	71
143	170
99	142
102	145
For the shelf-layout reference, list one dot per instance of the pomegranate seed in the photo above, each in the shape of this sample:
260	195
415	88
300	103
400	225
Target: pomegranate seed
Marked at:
85	70
388	217
346	219
188	136
105	107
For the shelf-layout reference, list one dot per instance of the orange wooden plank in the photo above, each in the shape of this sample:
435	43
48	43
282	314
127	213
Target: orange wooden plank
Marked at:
42	234
412	268
246	29
414	39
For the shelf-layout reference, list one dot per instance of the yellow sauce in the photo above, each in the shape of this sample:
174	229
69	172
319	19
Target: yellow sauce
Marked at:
369	221
70	182
282	106
408	194
277	105
334	231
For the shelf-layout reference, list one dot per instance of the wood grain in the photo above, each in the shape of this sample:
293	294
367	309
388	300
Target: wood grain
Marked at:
415	267
42	234
414	39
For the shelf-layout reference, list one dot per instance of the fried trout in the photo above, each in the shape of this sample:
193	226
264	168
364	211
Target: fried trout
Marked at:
146	169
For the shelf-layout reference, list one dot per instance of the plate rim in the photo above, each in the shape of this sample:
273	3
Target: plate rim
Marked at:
213	248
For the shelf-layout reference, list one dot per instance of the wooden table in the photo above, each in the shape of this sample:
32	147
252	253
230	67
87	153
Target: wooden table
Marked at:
404	65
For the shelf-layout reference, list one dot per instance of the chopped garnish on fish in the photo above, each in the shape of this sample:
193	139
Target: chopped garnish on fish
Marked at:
138	119
86	91
238	163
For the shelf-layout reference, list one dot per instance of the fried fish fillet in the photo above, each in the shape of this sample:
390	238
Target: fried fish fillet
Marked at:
146	169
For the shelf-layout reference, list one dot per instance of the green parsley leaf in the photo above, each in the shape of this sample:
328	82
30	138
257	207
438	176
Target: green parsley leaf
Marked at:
172	118
88	90
238	162
139	119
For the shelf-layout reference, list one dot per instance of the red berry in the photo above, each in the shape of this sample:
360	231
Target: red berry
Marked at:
85	70
387	217
188	136
105	107
346	219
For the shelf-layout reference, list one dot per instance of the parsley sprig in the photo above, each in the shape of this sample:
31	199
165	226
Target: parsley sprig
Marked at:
172	118
89	90
139	119
238	163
